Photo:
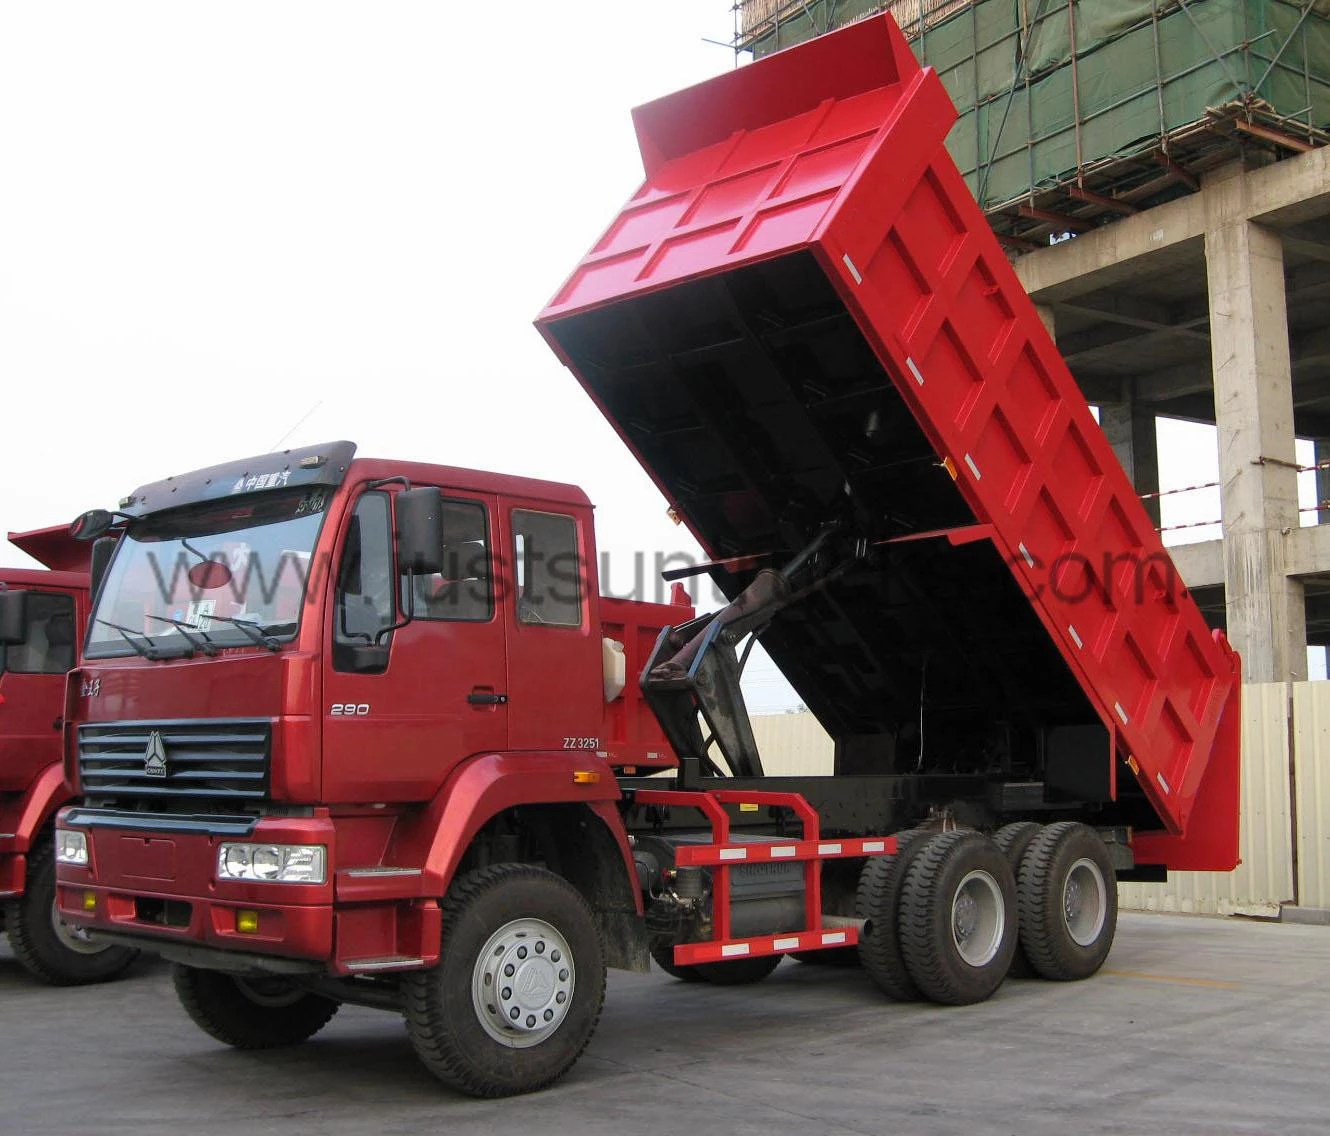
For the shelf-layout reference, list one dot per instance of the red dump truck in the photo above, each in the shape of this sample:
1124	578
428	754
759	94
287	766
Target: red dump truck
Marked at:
43	613
351	730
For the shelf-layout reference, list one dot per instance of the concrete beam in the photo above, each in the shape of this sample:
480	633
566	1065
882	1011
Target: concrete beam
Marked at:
1283	194
1201	565
1308	552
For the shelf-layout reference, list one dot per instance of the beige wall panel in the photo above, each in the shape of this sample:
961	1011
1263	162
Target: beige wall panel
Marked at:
1264	879
1311	765
793	745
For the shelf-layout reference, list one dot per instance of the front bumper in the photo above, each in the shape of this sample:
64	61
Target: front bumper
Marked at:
158	884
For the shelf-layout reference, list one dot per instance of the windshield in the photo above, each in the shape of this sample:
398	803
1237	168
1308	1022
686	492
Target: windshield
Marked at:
225	574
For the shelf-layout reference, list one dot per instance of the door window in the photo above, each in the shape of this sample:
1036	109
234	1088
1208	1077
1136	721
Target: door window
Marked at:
463	591
548	569
52	630
364	605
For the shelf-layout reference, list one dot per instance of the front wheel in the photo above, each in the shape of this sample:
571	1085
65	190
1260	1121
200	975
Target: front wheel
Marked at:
47	947
519	985
250	1013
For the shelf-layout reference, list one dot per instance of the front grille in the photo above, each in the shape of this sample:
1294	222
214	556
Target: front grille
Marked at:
213	765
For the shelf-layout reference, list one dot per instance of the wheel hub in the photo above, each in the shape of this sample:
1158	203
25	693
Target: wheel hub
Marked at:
1084	902
522	985
75	939
978	918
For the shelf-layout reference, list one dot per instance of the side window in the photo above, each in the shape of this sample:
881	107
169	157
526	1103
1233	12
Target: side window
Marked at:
463	591
365	578
547	567
51	637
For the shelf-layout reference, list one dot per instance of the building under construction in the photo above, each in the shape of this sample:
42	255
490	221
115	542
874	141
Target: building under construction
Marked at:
1157	170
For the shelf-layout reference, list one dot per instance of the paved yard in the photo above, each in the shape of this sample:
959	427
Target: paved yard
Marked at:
1195	1026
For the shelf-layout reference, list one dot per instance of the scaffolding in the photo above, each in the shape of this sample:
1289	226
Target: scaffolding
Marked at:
1073	113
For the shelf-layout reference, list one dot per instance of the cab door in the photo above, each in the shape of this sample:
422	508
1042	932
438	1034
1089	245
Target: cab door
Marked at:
555	680
396	724
32	689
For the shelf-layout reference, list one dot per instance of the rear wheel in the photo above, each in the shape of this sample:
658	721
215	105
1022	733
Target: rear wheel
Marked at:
958	918
738	972
878	902
1013	840
1068	902
49	948
519	985
260	1012
662	954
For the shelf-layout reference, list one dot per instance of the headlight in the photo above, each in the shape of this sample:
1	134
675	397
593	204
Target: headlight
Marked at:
278	863
71	847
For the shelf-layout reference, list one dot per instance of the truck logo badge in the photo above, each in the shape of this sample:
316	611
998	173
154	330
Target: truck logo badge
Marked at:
154	756
91	687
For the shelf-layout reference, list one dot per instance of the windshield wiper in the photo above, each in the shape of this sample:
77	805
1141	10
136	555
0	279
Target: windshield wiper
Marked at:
148	652
255	632
202	643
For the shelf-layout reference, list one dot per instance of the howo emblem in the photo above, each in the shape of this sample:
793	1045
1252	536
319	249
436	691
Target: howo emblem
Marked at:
154	756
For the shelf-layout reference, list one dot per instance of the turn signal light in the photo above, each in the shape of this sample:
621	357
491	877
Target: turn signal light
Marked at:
247	922
89	901
585	776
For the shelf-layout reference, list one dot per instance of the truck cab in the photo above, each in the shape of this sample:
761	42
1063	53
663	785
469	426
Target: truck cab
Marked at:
315	686
43	612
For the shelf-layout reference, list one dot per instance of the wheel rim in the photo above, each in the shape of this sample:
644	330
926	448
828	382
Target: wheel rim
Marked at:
1084	902
522	984
978	918
75	939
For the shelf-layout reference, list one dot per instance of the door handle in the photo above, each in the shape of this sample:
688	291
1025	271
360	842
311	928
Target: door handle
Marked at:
483	698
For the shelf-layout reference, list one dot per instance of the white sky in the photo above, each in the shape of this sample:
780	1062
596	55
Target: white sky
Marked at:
228	226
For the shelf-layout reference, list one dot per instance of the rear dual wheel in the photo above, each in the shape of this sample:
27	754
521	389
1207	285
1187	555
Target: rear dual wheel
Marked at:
1068	902
941	918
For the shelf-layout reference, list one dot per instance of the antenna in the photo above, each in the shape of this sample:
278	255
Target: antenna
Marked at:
299	422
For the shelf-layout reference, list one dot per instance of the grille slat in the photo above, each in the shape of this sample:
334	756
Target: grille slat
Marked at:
205	762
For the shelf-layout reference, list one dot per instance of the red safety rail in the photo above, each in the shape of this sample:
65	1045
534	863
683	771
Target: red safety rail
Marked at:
723	855
836	148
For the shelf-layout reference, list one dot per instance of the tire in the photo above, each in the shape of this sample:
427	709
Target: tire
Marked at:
525	921
1068	902
251	1012
47	948
1013	840
878	901
958	918
738	972
662	954
830	956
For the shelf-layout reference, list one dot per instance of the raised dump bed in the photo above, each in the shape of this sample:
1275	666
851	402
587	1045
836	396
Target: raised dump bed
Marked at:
803	321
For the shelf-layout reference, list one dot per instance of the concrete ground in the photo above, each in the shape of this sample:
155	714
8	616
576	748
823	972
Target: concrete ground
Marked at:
1195	1026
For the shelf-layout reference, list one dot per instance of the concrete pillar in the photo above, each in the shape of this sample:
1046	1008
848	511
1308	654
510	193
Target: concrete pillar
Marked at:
1130	428
1254	416
1050	321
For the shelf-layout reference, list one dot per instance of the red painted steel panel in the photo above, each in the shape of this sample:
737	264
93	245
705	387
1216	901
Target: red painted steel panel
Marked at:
837	148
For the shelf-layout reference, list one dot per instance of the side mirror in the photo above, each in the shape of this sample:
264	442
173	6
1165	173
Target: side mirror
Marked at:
100	560
13	618
92	524
419	531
